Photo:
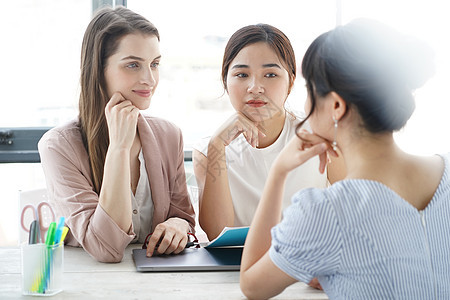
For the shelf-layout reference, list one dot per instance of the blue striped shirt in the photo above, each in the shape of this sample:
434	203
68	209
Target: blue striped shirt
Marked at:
363	241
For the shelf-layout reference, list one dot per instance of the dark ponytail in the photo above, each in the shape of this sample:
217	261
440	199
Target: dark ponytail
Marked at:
373	68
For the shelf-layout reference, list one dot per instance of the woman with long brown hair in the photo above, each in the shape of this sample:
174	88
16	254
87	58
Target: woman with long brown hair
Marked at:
114	174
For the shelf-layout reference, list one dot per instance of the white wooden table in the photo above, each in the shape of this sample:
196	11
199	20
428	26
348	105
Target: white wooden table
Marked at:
85	278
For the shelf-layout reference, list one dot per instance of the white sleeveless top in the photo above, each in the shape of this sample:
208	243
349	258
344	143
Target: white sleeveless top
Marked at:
248	169
142	204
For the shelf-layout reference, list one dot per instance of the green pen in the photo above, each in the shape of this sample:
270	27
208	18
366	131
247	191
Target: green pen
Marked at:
49	240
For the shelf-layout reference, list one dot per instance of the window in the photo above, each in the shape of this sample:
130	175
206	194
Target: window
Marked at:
193	39
41	57
40	72
41	61
428	21
40	54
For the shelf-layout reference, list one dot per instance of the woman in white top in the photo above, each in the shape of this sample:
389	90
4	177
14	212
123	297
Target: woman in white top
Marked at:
231	167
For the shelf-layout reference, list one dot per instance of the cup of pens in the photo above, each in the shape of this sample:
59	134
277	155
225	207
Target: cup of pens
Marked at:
42	263
42	269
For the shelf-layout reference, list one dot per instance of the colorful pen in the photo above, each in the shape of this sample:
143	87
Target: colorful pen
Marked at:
50	238
64	233
40	284
49	241
59	230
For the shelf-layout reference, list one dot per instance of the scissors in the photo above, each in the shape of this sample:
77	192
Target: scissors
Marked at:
43	217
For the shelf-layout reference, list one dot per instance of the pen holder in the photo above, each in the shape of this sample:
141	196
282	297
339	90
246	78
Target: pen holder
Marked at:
42	269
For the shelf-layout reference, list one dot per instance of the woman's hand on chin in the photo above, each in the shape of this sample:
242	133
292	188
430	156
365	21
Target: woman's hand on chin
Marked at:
300	149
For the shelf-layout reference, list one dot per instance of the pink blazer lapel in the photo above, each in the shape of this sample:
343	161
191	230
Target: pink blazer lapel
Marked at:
155	171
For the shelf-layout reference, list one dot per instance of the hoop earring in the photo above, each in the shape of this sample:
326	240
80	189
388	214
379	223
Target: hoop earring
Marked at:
334	144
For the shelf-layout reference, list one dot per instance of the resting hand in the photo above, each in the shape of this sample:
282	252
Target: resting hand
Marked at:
301	149
169	237
238	123
121	117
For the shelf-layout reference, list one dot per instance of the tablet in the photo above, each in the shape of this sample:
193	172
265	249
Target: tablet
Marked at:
191	259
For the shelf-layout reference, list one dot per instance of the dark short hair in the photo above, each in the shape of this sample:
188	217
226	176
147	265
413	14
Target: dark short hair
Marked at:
374	68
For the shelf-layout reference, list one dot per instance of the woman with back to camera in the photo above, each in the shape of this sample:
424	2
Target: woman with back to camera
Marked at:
114	174
258	73
383	231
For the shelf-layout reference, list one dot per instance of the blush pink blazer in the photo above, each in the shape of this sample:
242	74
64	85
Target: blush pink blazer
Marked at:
70	189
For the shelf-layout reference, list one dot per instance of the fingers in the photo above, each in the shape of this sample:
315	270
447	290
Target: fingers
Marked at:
238	124
115	99
166	240
333	152
120	111
261	130
255	132
323	158
309	151
118	102
125	105
310	138
232	133
313	139
172	243
307	146
182	241
154	241
251	135
319	150
165	244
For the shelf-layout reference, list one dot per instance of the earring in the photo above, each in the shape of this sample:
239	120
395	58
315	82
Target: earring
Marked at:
334	144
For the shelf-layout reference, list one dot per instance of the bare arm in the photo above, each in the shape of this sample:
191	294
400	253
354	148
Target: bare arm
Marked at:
216	208
260	277
95	223
115	195
215	204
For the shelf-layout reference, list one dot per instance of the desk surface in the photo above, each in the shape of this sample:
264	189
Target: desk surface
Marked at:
84	277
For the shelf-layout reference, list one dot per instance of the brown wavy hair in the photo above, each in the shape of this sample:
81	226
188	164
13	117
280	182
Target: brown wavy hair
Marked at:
101	40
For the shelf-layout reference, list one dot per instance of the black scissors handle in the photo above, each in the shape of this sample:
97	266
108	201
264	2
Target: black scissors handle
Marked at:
192	244
35	233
